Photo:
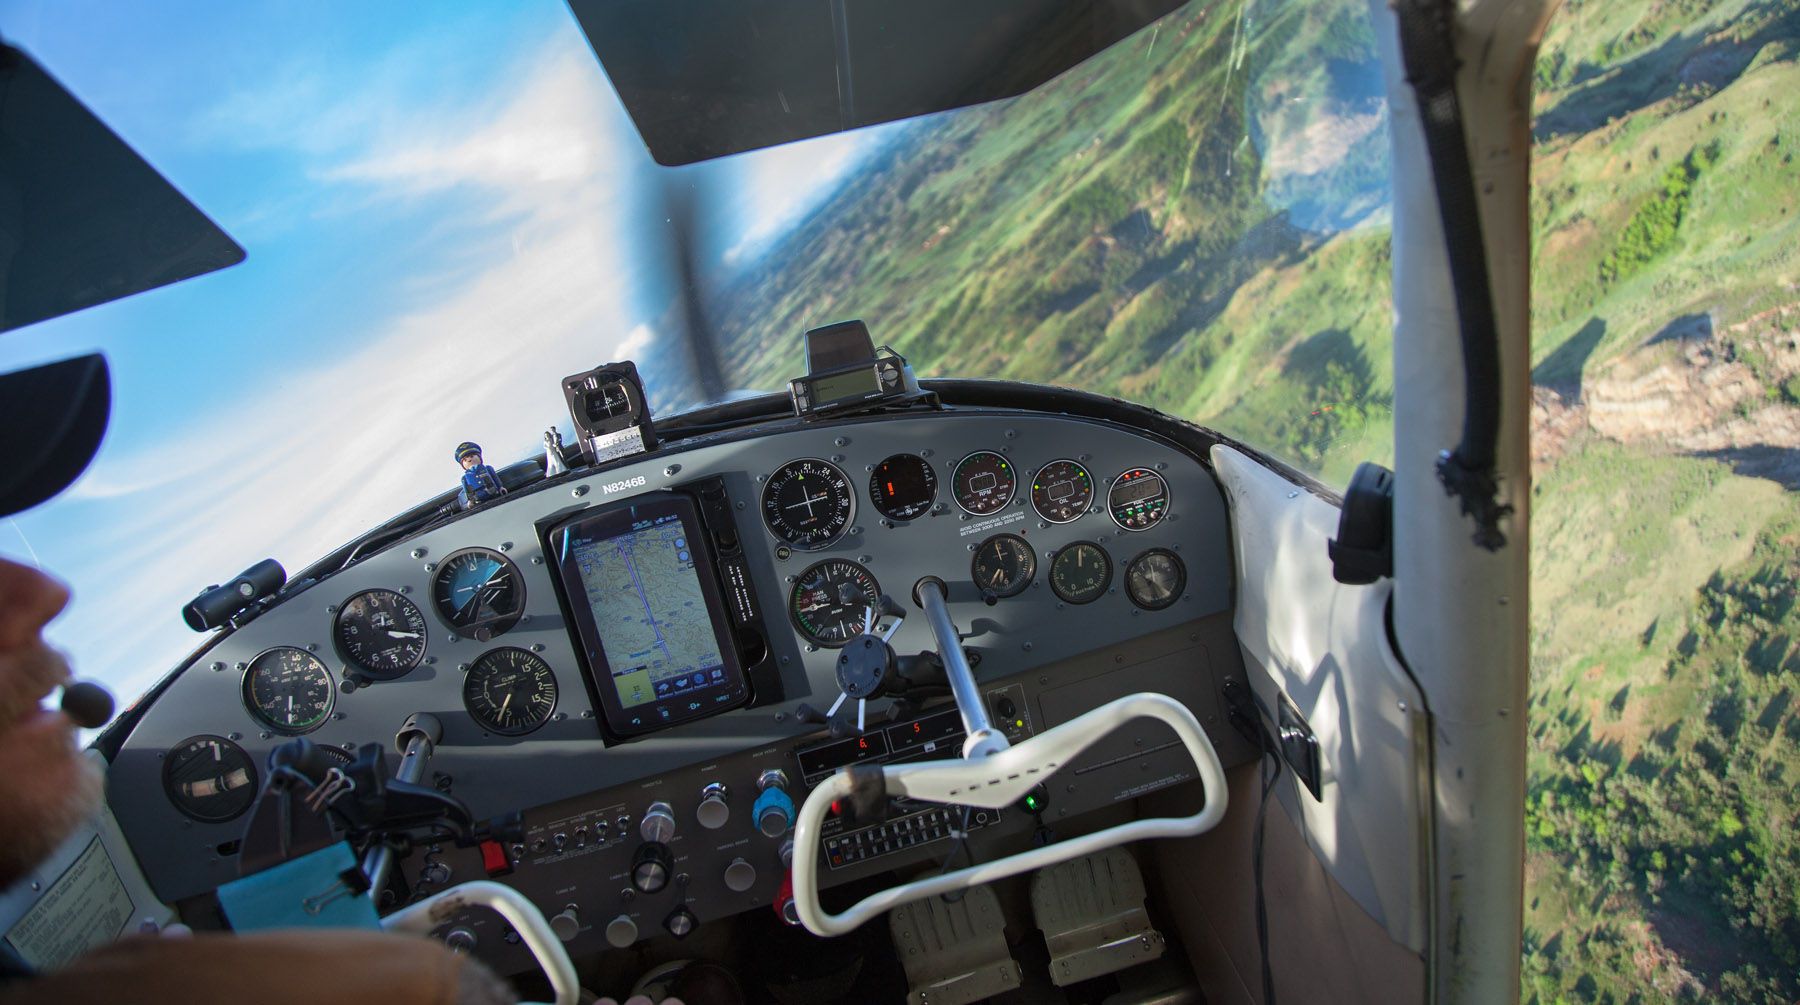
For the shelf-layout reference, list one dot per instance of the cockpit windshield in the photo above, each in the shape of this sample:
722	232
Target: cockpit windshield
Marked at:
445	217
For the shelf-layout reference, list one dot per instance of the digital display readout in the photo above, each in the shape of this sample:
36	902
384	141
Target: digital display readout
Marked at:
822	760
1132	491
920	732
844	385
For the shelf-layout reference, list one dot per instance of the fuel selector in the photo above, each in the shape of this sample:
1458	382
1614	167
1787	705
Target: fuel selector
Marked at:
774	809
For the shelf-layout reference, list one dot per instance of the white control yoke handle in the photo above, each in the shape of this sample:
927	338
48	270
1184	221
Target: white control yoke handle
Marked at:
519	912
996	781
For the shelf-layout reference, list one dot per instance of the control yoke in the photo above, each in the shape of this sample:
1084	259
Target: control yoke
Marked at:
991	775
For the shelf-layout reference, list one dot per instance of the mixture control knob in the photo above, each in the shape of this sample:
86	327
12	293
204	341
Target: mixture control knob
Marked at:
651	867
621	932
460	940
658	824
680	922
714	811
773	812
740	875
567	924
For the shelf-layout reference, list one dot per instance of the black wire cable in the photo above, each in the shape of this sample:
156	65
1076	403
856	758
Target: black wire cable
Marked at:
1269	777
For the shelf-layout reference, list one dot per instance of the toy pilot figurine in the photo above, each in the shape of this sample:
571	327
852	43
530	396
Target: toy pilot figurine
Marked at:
480	482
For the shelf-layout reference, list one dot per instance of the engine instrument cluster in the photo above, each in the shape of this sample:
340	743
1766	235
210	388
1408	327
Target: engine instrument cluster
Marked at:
635	623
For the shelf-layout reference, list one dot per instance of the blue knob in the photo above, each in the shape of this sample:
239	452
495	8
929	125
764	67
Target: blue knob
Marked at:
773	812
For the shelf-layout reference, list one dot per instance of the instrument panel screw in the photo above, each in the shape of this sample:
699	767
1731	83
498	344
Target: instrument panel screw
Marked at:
560	716
429	660
780	716
579	491
671	471
537	560
312	647
405	589
1012	434
338	716
242	665
1026	647
837	458
842	441
430	566
464	667
264	734
1162	465
505	545
418	553
537	647
587	713
450	637
217	666
740	505
234	736
330	608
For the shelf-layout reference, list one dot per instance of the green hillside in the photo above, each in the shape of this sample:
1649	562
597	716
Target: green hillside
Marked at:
1196	220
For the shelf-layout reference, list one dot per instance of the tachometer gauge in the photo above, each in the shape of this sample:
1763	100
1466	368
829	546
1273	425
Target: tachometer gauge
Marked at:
833	600
381	633
1080	573
1061	491
1003	565
478	592
1155	579
510	691
288	690
983	483
903	487
209	778
1139	499
808	503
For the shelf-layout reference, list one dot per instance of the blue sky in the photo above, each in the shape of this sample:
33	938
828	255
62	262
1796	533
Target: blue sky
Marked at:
443	209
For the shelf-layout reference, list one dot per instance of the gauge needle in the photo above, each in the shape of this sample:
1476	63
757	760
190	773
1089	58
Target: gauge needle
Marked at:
290	708
403	635
997	574
503	707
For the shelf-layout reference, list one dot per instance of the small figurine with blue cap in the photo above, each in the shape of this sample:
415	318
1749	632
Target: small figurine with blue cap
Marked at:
480	482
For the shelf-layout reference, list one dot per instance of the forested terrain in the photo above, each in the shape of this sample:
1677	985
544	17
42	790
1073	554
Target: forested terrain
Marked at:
1198	220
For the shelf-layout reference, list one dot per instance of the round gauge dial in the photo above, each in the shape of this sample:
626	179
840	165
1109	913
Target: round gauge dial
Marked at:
1155	579
1080	573
381	633
1003	565
510	691
808	503
903	487
289	690
983	483
1138	500
478	592
833	600
209	778
1061	491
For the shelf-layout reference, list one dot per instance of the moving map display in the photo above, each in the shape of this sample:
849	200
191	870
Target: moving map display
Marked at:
650	611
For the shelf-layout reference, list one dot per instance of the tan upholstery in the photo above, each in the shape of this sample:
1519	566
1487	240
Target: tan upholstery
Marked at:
1323	946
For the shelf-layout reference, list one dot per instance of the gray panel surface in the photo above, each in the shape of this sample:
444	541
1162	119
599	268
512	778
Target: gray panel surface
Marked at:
568	756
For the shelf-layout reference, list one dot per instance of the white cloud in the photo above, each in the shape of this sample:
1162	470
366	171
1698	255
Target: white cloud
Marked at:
301	465
774	187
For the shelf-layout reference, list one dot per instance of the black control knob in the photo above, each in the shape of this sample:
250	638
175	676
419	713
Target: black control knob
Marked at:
651	867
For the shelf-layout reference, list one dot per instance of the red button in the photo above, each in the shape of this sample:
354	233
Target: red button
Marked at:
493	858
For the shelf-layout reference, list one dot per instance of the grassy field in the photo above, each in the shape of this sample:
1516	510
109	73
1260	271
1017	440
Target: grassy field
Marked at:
1196	220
